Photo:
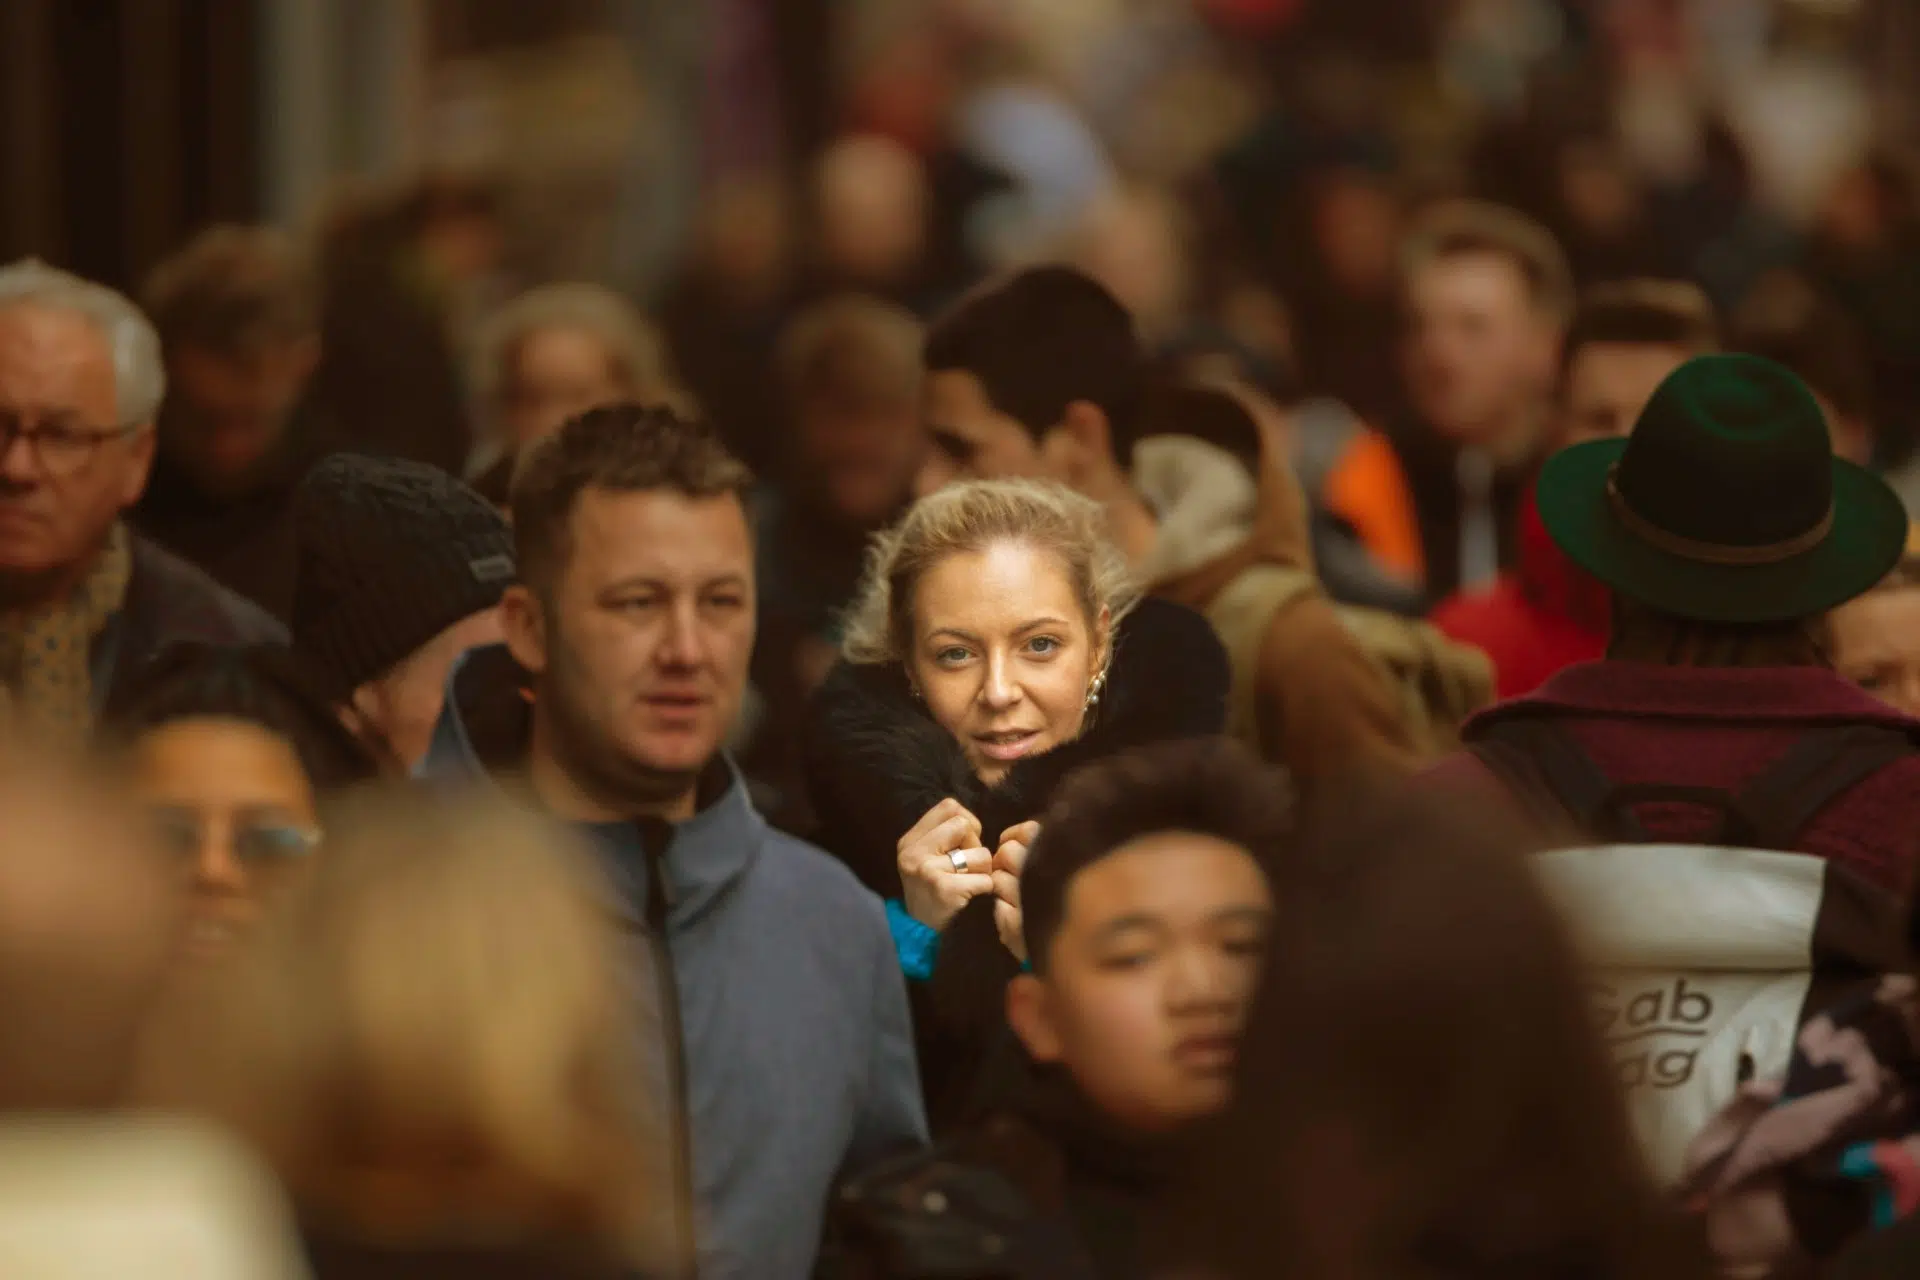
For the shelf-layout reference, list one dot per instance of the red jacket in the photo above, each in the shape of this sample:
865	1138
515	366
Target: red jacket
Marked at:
1720	728
1540	619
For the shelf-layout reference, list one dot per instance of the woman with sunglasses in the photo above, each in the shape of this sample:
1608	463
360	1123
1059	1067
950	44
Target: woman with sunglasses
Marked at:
229	751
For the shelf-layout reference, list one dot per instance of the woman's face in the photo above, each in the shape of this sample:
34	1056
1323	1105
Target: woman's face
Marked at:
232	802
1876	644
1003	653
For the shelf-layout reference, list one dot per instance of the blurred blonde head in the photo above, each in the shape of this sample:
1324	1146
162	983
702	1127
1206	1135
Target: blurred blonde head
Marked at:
610	352
440	1031
89	917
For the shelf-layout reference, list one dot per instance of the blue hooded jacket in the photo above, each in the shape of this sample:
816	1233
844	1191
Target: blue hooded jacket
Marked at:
797	1064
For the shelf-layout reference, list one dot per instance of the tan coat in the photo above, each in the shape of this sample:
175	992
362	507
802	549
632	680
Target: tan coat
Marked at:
1320	704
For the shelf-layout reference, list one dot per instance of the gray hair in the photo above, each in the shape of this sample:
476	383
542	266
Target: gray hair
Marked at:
139	379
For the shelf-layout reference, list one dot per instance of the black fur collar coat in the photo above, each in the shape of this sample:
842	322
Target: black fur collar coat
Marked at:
876	762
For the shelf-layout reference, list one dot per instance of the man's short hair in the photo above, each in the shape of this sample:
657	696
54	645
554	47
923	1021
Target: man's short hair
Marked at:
626	448
853	351
233	290
1206	786
1040	340
1644	313
1789	321
1461	228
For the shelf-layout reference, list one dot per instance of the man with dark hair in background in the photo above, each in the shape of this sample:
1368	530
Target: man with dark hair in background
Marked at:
239	329
849	376
785	1035
1486	293
1041	374
1547	613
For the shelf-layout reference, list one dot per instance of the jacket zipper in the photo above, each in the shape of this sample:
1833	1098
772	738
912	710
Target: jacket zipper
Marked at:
655	838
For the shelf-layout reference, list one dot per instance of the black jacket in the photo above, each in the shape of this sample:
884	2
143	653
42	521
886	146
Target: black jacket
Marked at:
170	602
336	1257
876	762
245	539
1043	1187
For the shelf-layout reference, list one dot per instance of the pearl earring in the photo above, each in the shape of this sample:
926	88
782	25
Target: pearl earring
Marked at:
1093	691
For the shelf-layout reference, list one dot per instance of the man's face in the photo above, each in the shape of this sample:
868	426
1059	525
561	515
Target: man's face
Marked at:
58	501
860	457
1477	350
554	375
643	662
1609	383
224	411
1146	985
972	440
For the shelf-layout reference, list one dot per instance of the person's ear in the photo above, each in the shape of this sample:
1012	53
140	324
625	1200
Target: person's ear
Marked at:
139	465
1030	1014
525	623
1084	440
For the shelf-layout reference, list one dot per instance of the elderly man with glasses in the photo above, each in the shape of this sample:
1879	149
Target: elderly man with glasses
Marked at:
83	601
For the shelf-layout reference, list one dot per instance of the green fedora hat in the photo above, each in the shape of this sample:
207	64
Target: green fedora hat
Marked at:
1726	503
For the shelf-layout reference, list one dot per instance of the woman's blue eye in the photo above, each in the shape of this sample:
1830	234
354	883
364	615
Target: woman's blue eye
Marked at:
1044	645
951	656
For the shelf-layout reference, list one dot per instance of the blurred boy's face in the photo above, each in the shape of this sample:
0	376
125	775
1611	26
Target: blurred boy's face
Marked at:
1609	383
1478	351
1876	644
860	456
224	412
1144	990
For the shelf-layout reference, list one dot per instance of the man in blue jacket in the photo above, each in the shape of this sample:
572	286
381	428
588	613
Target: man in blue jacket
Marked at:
786	1049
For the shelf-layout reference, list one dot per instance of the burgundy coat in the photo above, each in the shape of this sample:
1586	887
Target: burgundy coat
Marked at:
1720	728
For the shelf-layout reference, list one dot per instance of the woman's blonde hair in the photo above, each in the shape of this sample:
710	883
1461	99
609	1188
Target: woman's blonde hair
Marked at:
970	517
438	1030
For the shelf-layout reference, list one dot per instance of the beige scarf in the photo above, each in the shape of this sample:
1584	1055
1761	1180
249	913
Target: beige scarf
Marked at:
46	685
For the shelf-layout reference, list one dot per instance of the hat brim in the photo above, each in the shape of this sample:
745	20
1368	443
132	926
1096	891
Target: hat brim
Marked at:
1868	538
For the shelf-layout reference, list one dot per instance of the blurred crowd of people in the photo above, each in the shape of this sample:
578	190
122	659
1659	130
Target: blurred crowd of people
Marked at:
1230	639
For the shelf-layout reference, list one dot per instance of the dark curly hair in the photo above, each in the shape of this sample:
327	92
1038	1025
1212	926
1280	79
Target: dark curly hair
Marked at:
263	685
1208	786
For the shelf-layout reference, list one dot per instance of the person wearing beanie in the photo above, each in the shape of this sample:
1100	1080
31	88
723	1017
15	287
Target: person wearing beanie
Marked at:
399	570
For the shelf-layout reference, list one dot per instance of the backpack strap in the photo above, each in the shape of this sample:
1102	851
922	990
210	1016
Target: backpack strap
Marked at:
1816	771
1555	779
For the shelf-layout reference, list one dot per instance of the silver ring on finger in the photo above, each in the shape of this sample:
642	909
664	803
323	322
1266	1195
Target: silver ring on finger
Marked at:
958	859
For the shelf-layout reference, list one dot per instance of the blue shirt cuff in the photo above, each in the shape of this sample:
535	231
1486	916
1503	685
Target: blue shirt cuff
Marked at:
917	945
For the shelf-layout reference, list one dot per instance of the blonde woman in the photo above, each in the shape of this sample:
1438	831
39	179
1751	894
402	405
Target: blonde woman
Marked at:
435	1051
996	644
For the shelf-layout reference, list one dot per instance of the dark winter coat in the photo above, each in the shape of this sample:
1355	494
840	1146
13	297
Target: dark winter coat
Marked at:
334	1257
876	762
1043	1188
170	602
